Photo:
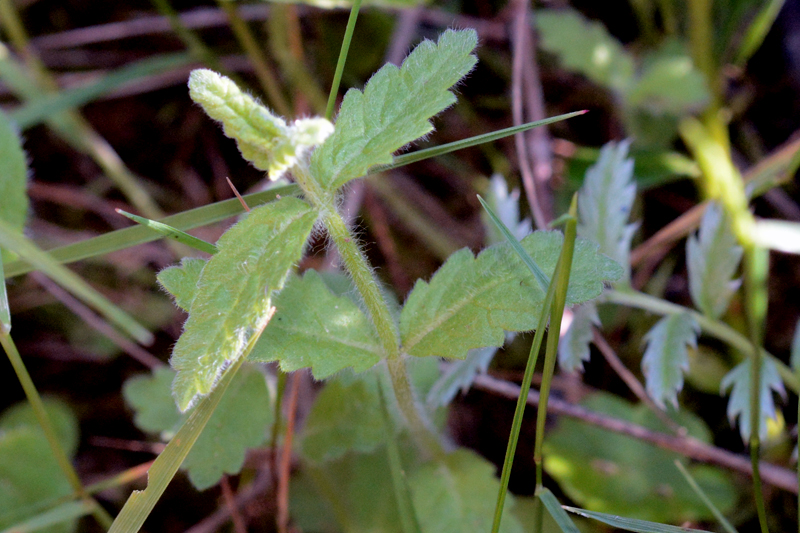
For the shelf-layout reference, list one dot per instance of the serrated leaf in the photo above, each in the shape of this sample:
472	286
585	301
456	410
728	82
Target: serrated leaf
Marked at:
586	47
458	494
13	175
573	349
666	357
738	380
460	376
263	138
506	204
234	293
470	301
313	328
394	109
241	421
605	201
712	258
181	281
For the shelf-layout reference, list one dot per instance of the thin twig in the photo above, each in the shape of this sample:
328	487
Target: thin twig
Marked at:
213	522
286	457
239	525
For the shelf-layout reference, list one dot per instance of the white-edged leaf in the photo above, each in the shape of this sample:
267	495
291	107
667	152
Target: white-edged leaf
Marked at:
573	348
234	293
794	359
738	380
470	301
712	258
605	201
505	204
181	280
394	109
666	357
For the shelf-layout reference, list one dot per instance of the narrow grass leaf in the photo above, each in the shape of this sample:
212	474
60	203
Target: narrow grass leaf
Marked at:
264	139
172	233
181	281
13	175
234	293
704	497
493	292
557	512
5	310
712	258
68	512
19	244
141	503
41	109
394	109
631	524
313	328
758	30
605	201
738	381
573	350
128	237
666	357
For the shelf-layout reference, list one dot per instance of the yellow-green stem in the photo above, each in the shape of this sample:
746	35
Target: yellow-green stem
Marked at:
100	514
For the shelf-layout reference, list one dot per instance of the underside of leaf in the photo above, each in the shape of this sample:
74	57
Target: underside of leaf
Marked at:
666	357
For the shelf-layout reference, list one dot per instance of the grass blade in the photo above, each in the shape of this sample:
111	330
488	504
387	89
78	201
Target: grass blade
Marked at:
125	238
337	76
26	249
172	233
427	153
5	311
630	524
706	500
557	512
39	110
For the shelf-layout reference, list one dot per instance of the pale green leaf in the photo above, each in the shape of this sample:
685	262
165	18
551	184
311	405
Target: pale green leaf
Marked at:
458	494
5	310
585	46
559	515
263	138
573	349
13	175
666	357
394	109
738	380
173	233
605	201
621	475
150	397
51	519
794	358
313	328
492	293
505	204
234	293
460	375
631	524
712	259
181	281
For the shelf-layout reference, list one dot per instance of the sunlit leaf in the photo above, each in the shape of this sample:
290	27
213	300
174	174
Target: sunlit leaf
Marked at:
492	293
573	349
234	293
394	109
712	258
666	357
738	381
605	201
181	281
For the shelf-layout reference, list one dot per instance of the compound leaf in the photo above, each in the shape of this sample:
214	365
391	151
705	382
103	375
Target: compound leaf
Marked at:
605	201
234	293
181	281
313	328
573	349
241	421
13	175
666	357
712	258
738	380
263	138
469	301
394	109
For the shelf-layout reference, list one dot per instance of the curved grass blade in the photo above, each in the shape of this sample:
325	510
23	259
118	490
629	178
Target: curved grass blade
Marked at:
18	243
172	233
125	238
427	153
706	500
630	524
557	512
141	503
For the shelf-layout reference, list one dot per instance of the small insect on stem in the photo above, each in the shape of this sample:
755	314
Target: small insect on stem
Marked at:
239	196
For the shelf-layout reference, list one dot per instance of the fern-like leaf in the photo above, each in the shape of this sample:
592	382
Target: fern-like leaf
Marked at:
394	109
573	349
712	258
605	201
738	380
666	357
234	293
